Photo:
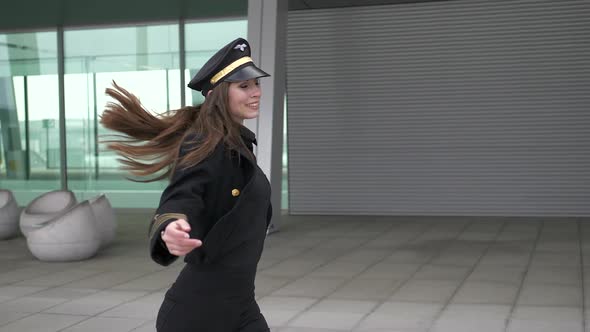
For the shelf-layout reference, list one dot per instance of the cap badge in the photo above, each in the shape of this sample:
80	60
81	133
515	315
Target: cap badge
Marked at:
241	47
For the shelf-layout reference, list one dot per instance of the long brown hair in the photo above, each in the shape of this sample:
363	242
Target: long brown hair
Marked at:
150	144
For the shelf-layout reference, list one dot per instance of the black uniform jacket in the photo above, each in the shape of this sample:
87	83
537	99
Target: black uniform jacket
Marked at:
205	196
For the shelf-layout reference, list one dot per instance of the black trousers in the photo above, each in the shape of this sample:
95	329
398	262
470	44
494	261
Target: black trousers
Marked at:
210	315
211	301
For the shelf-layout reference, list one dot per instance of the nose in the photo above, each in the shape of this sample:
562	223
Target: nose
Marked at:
256	91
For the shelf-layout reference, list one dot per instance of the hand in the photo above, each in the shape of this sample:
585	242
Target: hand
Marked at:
177	239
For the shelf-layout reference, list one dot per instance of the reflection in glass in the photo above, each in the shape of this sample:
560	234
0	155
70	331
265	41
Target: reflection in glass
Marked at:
29	112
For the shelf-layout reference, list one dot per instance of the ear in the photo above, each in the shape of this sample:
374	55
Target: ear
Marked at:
208	93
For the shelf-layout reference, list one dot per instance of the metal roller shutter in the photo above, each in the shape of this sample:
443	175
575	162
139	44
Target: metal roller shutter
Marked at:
441	108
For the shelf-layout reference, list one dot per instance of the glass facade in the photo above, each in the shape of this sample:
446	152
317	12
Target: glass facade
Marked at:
29	114
143	59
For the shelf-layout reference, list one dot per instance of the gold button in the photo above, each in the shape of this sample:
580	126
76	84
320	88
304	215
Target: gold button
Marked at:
235	193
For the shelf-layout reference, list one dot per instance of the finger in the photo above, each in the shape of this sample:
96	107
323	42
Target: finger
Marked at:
185	243
183	225
175	231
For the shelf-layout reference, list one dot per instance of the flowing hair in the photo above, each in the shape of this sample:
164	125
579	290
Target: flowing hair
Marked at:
149	145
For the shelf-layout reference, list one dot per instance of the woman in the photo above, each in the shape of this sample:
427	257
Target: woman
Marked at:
216	208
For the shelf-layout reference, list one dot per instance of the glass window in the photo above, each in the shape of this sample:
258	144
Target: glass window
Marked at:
29	112
142	59
202	40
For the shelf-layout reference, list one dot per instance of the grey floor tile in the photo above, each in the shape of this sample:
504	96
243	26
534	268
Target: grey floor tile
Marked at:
106	279
571	276
339	269
142	308
285	303
42	323
469	318
567	259
279	317
59	278
149	326
95	303
268	284
550	295
518	325
152	282
12	292
484	292
396	315
546	319
505	259
414	256
366	256
344	306
101	324
292	268
442	272
7	315
327	320
465	259
64	293
426	291
513	275
366	289
390	270
314	287
31	304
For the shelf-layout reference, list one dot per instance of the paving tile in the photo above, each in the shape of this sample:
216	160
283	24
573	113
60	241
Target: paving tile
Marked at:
269	303
484	292
366	256
344	306
546	319
31	304
550	295
503	274
571	276
310	287
469	318
442	272
415	256
389	270
42	323
149	326
101	324
292	268
426	291
264	285
106	280
366	289
327	320
95	303
8	315
12	292
339	269
396	315
142	308
59	278
279	317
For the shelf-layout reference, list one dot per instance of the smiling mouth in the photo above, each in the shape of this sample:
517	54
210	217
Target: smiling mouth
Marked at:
253	105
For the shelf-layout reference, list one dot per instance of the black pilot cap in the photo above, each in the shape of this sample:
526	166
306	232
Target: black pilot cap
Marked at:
232	63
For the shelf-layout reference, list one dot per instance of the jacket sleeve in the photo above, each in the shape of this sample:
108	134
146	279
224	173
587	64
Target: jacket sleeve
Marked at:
182	199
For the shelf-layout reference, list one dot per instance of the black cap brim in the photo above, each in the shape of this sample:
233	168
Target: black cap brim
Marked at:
246	73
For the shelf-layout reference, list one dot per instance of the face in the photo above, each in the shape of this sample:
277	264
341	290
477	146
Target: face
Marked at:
244	99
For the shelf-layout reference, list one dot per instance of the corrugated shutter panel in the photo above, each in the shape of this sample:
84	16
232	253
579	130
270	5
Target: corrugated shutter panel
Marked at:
442	108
